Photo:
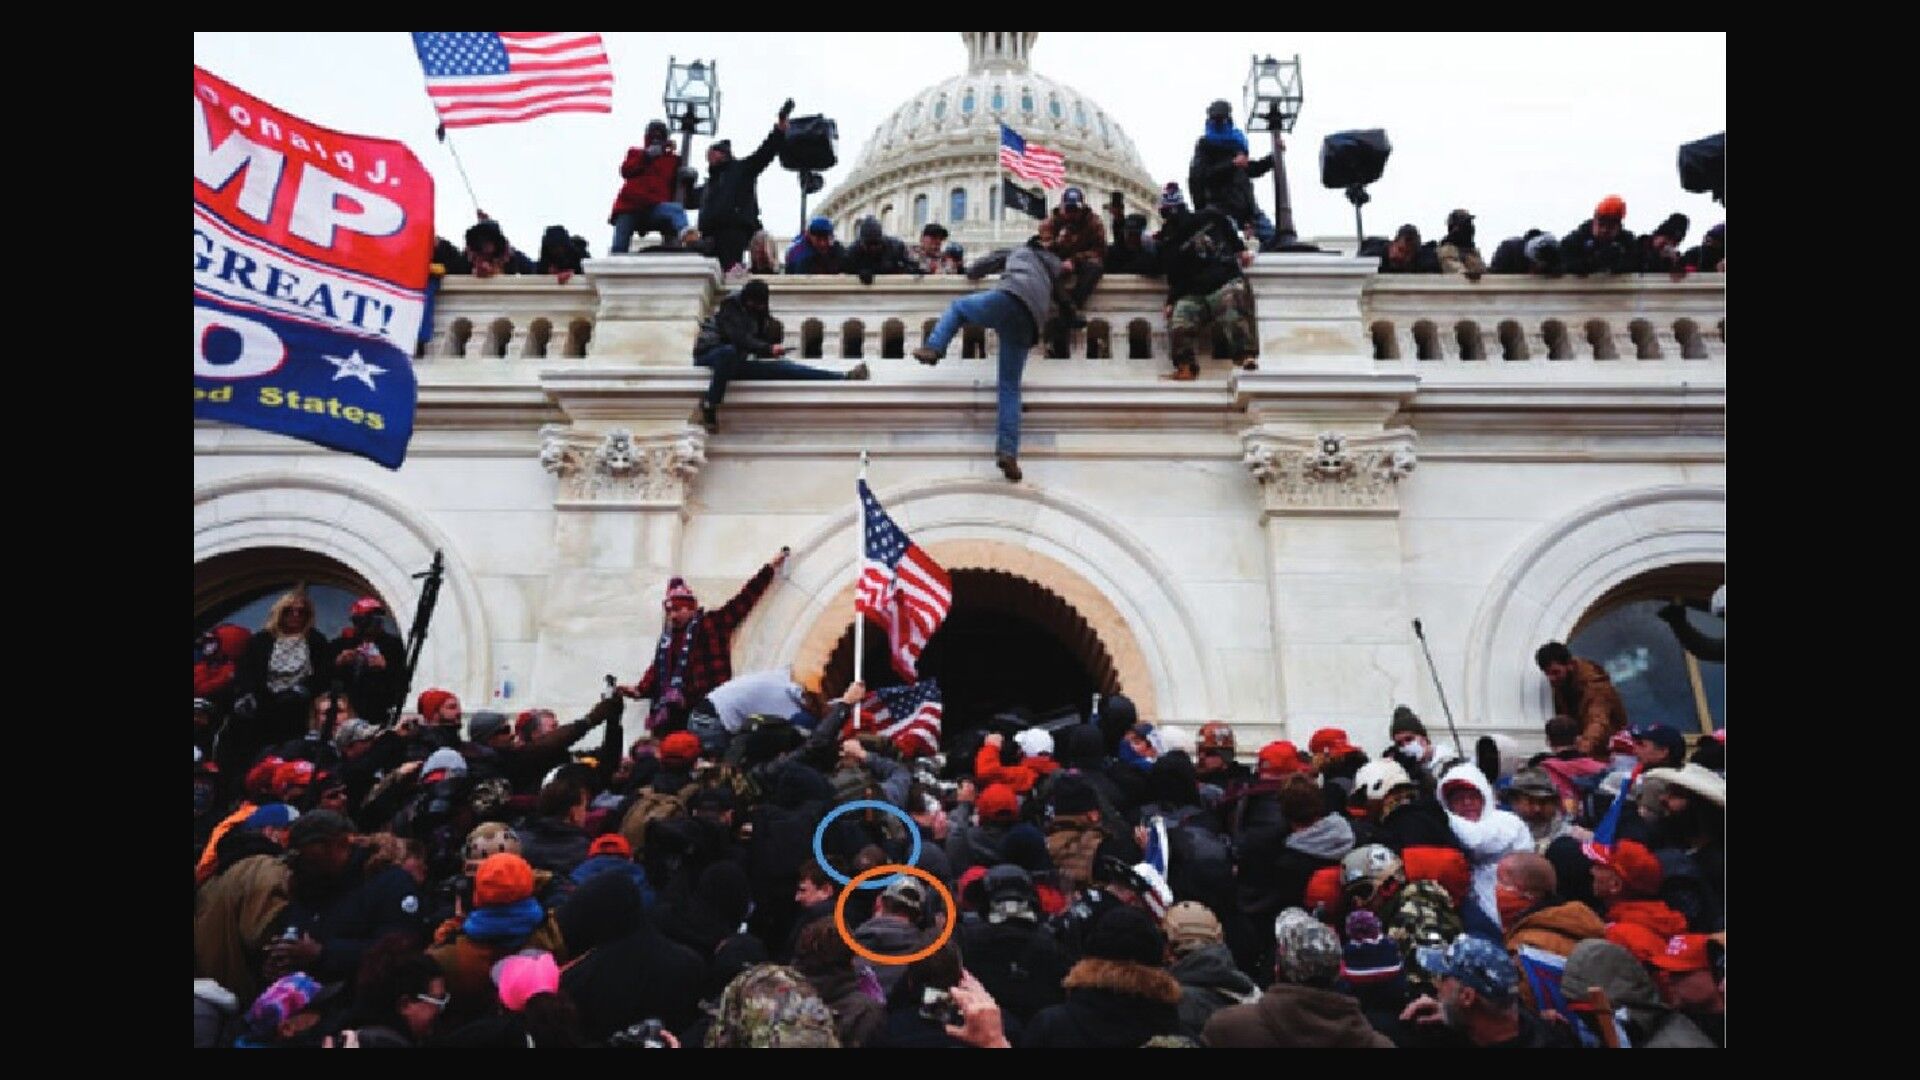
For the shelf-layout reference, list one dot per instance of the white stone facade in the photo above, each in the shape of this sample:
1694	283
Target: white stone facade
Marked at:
946	139
1490	458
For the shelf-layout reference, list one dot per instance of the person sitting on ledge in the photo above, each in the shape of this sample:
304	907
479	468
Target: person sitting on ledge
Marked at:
735	336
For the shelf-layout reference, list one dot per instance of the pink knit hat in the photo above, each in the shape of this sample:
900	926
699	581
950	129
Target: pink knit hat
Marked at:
523	975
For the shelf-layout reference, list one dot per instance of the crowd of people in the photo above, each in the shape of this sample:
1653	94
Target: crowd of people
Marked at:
369	874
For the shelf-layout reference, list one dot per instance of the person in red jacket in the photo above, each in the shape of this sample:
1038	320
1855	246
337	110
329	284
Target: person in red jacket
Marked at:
646	200
219	662
989	766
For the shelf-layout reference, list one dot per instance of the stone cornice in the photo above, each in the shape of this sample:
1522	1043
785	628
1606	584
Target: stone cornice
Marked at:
616	470
1330	473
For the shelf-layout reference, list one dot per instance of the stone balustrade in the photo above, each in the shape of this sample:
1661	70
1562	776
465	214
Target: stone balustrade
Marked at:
1313	313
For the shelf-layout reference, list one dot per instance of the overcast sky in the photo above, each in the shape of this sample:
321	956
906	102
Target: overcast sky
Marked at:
1526	130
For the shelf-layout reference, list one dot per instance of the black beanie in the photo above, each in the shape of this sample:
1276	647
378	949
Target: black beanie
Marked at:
1404	720
754	292
1126	933
606	907
1674	228
1073	795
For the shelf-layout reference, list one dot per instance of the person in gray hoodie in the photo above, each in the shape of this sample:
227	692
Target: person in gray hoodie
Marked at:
1015	309
1598	963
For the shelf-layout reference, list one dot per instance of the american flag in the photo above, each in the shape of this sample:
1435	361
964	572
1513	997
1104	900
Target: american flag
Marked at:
1037	163
901	588
506	77
908	715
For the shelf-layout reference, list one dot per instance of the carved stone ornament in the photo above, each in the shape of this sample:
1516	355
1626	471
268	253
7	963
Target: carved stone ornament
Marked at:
620	467
1329	473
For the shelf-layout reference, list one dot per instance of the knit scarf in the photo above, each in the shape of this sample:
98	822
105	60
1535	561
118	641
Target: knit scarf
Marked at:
505	922
662	656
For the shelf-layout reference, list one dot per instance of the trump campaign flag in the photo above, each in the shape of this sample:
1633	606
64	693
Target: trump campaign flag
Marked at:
310	253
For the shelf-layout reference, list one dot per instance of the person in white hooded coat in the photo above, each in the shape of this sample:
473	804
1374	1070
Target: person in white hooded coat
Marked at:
1485	831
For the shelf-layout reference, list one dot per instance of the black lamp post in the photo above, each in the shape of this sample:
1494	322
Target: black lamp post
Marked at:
1273	104
692	101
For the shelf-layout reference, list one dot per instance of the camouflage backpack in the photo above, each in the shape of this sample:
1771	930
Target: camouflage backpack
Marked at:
1421	915
652	805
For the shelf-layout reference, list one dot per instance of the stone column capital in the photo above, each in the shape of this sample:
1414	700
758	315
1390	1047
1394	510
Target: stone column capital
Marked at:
1331	472
616	469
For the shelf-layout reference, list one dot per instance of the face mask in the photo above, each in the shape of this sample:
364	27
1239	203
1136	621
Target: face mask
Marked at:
1511	905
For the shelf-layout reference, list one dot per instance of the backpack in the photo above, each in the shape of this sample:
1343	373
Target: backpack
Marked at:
1072	849
650	806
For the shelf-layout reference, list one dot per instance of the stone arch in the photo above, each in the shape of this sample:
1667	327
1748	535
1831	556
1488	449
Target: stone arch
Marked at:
371	533
1560	573
1110	578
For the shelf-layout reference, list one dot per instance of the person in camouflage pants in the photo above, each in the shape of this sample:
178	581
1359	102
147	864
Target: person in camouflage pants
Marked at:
1229	307
1203	257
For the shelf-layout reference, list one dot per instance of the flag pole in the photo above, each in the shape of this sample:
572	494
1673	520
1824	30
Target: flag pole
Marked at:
999	185
859	617
458	164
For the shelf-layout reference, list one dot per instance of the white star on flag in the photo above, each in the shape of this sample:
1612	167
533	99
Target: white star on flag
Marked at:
353	367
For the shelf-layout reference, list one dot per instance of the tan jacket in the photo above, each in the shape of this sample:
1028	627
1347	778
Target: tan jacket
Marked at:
1555	930
468	967
1589	697
232	916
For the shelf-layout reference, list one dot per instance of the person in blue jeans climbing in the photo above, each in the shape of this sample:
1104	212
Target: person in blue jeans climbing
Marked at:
1015	309
734	339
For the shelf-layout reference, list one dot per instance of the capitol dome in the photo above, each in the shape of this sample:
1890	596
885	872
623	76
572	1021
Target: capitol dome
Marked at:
936	158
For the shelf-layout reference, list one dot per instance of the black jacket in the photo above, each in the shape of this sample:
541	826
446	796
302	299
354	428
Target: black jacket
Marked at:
1144	259
731	201
1019	962
890	256
373	691
252	676
1581	253
1216	183
552	844
1510	257
732	324
348	915
1110	1003
1199	253
635	977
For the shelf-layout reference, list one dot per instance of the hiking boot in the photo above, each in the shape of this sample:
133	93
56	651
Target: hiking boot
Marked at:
1184	373
710	418
925	355
1248	364
858	373
1009	466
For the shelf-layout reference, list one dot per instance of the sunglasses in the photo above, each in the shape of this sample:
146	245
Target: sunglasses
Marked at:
437	1002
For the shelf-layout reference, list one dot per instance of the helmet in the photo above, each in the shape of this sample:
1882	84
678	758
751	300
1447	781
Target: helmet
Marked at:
1376	778
1371	871
1216	736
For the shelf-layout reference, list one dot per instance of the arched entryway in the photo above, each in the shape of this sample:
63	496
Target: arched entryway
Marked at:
1009	642
240	586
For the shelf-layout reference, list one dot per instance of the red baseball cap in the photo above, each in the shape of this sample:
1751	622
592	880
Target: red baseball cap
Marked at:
1280	758
260	778
997	802
292	774
611	844
1637	867
367	605
1328	740
1679	953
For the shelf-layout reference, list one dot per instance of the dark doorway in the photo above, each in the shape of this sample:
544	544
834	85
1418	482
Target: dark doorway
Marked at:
1008	643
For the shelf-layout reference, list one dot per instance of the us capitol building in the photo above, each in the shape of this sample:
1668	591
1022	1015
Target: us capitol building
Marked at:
1510	461
936	158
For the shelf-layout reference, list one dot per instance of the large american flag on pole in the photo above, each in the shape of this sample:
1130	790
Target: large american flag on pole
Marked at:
1031	162
509	76
901	588
908	715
